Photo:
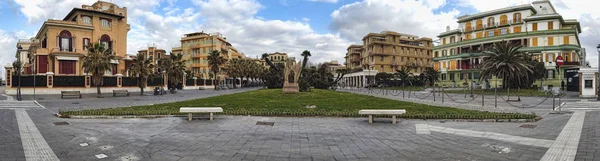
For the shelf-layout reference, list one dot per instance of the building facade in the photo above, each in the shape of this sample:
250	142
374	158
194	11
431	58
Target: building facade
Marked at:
154	54
196	47
63	43
541	31
387	52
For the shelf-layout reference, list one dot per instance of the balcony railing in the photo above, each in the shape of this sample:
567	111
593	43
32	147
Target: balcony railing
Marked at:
492	25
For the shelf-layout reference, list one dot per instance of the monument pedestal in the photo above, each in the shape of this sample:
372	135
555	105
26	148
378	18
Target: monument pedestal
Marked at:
291	88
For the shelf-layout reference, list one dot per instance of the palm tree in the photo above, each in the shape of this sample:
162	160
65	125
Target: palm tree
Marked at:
403	74
305	54
214	61
174	65
142	68
97	62
235	69
431	75
506	61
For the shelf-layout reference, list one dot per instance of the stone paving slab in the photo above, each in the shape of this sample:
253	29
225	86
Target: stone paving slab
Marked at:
10	140
589	142
238	138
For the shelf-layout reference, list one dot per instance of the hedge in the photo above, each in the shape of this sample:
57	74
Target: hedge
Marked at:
27	81
69	81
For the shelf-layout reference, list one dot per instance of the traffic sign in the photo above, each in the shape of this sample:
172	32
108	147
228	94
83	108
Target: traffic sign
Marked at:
559	61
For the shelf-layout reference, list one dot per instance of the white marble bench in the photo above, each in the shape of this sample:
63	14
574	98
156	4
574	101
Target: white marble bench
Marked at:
381	112
191	110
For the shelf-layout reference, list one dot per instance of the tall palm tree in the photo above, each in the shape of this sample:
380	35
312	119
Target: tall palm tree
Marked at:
214	61
97	62
506	61
265	56
235	69
174	65
142	68
305	54
431	75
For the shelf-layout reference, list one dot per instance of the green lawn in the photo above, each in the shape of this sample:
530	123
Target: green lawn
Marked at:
504	92
271	102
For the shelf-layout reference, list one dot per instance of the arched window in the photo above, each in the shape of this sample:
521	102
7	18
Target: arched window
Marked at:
65	41
517	17
479	24
503	20
444	52
491	21
451	51
87	20
468	26
105	40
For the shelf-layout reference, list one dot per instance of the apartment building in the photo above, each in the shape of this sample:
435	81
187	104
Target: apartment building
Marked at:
61	44
387	51
195	48
541	31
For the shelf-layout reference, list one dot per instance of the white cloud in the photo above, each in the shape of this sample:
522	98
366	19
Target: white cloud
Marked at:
8	43
327	1
355	20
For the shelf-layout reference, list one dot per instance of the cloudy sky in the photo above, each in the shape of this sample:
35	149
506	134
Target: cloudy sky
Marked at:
324	27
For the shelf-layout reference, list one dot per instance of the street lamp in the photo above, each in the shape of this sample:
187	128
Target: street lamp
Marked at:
472	75
598	72
19	98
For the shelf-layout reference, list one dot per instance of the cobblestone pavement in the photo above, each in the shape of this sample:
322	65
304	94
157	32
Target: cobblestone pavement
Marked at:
10	140
54	103
589	144
238	138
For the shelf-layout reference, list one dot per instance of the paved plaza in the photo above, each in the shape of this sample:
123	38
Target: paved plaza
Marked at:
29	132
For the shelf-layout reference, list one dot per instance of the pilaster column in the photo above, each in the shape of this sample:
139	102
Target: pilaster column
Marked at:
119	80
195	81
165	79
184	79
9	72
88	80
50	79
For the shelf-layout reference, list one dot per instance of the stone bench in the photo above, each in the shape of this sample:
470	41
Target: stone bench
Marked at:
70	93
381	112
120	92
191	110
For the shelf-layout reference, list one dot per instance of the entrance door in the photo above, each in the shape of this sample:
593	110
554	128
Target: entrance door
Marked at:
572	79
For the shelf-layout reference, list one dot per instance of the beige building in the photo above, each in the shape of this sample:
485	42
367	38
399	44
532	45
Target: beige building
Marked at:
195	48
23	54
154	54
387	51
542	32
63	43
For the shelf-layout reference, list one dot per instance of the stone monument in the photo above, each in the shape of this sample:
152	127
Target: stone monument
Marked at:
291	74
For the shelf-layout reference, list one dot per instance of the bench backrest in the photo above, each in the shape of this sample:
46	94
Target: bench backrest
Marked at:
382	112
200	109
70	92
120	91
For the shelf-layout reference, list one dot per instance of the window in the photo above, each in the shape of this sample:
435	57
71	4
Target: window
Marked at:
381	58
86	43
44	42
534	41
517	29
66	66
394	58
87	20
550	41
394	50
105	22
491	22
65	41
401	59
534	27
452	39
589	84
490	33
105	40
517	17
551	74
476	75
503	31
550	25
461	76
451	76
444	76
566	39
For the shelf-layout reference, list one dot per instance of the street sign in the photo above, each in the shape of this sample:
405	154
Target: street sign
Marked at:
559	61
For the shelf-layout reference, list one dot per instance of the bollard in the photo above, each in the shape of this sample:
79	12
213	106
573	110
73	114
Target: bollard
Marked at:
482	98
442	95
508	93
433	94
553	104
496	96
403	93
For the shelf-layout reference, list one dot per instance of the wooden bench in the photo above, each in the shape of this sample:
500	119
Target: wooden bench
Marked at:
70	93
382	112
121	92
191	110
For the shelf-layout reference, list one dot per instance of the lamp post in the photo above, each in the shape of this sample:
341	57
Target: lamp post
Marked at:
471	57
19	98
598	98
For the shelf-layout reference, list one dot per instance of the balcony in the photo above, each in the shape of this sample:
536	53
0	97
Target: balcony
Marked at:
493	25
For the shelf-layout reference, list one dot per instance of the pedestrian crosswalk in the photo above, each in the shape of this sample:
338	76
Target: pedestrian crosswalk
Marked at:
581	105
19	104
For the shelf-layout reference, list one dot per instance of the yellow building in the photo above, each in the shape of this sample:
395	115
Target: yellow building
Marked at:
387	51
63	43
541	31
154	54
195	48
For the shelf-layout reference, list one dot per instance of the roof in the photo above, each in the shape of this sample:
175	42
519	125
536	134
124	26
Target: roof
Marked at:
93	11
466	18
355	46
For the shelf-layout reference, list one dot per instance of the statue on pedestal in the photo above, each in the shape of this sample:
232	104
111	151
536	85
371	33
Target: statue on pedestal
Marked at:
291	75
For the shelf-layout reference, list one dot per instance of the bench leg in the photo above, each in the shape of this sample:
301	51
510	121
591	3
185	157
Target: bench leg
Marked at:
211	116
189	116
394	119
370	119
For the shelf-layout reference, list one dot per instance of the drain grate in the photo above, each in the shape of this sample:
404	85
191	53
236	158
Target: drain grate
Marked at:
265	123
75	103
61	123
530	126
